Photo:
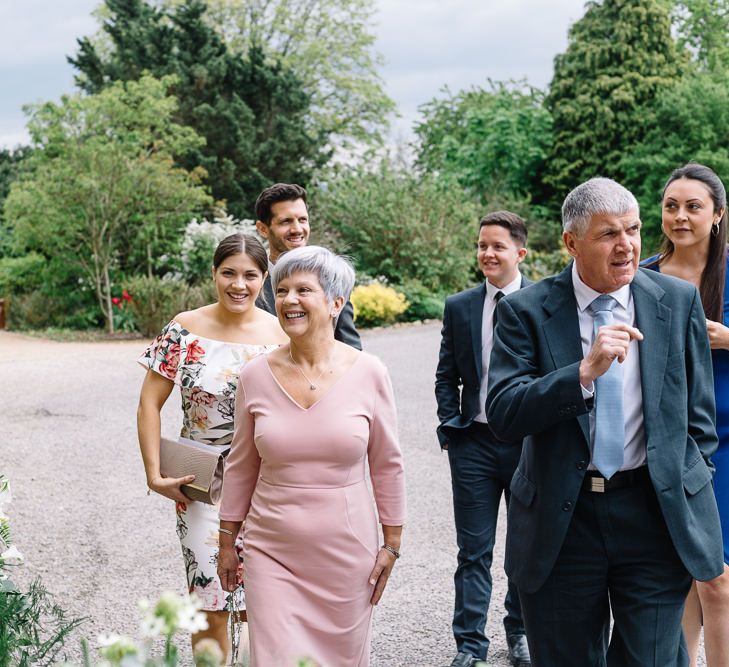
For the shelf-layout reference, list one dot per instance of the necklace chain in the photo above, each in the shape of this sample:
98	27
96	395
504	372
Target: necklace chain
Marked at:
312	385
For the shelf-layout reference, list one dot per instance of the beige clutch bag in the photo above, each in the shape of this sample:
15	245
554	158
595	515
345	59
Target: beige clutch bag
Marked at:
181	457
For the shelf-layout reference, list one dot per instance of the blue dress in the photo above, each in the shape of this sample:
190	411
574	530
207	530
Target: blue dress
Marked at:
720	363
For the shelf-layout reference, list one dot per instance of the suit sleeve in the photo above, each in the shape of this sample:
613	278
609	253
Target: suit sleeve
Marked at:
447	378
384	455
700	384
344	331
243	464
266	300
522	399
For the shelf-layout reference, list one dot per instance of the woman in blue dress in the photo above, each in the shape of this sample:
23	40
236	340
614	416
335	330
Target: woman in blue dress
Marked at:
694	221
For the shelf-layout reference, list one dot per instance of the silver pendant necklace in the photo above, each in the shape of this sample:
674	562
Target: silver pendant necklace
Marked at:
312	385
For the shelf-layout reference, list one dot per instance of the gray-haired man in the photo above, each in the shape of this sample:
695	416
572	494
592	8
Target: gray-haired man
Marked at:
605	371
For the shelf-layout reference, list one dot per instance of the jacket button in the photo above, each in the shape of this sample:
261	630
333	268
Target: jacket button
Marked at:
581	465
567	506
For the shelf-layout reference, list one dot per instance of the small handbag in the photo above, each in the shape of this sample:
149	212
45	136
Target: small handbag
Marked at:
181	457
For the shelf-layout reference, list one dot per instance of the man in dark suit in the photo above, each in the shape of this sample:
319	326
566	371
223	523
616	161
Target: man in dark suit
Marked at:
283	220
605	371
481	465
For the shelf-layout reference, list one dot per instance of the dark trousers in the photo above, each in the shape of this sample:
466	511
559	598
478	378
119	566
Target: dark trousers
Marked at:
481	470
617	556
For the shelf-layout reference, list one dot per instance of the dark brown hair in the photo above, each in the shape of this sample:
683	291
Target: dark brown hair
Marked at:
238	243
510	221
711	286
275	194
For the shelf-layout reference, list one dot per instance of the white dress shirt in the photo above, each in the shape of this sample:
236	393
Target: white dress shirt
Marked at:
624	312
487	337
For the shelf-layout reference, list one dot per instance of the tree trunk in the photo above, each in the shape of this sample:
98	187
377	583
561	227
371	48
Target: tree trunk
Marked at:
109	304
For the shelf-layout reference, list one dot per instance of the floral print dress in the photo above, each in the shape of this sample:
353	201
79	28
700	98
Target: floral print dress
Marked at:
207	373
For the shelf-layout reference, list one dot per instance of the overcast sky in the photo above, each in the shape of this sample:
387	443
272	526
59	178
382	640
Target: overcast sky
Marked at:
427	44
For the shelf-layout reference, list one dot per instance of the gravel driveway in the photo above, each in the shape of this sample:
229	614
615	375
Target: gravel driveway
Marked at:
83	520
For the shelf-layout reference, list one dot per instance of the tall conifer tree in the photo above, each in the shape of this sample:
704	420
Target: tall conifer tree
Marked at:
620	56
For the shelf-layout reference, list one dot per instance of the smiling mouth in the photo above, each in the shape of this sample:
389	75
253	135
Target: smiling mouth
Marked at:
293	316
238	297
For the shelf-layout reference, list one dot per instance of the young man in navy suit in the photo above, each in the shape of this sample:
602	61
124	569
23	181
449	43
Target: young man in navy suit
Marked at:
481	465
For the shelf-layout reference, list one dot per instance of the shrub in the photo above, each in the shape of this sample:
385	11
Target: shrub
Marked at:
400	226
19	275
199	243
155	301
376	304
424	303
538	265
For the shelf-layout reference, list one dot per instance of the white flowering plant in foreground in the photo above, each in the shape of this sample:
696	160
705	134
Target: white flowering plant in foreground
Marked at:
33	628
172	613
9	554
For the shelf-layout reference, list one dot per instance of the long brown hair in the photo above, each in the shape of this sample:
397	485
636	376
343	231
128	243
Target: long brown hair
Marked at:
711	287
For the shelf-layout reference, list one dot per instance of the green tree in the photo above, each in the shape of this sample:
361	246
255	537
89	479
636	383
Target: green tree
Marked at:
703	28
253	111
493	143
691	123
10	165
329	44
486	140
400	225
102	186
620	56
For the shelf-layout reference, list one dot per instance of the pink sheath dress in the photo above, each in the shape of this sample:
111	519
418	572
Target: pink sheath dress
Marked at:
297	477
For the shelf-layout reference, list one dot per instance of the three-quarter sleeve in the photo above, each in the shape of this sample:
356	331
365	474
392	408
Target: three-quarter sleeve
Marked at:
384	455
242	467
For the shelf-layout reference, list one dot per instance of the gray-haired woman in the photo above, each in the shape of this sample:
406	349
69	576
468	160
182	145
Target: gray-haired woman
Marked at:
308	416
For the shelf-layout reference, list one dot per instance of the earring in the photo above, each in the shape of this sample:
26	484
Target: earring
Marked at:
715	229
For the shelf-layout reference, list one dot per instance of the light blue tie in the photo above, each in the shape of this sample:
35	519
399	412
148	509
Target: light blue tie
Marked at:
609	444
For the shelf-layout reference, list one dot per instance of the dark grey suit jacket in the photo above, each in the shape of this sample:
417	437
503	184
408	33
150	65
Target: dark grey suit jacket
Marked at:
534	393
458	376
344	329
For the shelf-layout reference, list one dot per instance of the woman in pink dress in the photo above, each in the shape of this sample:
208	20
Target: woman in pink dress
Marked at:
308	417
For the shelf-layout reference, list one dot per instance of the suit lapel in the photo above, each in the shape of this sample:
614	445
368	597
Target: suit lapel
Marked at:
562	330
478	296
654	321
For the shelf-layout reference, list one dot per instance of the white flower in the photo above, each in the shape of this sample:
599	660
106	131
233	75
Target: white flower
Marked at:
192	620
11	556
153	626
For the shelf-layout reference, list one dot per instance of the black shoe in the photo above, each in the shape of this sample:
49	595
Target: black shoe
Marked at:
463	660
519	651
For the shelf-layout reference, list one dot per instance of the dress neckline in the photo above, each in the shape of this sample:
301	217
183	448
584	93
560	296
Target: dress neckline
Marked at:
323	396
225	342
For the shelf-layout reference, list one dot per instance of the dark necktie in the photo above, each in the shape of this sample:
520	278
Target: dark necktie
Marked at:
497	297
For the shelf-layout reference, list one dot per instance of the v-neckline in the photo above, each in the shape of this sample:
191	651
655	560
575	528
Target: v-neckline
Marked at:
322	397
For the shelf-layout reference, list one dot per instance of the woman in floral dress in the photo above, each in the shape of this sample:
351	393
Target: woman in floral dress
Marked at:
203	351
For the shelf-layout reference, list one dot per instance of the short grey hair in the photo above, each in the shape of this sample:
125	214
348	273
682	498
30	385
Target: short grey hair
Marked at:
335	273
596	196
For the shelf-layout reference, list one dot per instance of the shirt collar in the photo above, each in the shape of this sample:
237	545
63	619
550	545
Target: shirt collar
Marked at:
585	295
513	286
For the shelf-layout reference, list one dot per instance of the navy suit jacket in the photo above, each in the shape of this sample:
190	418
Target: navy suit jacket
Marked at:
534	393
344	329
458	376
